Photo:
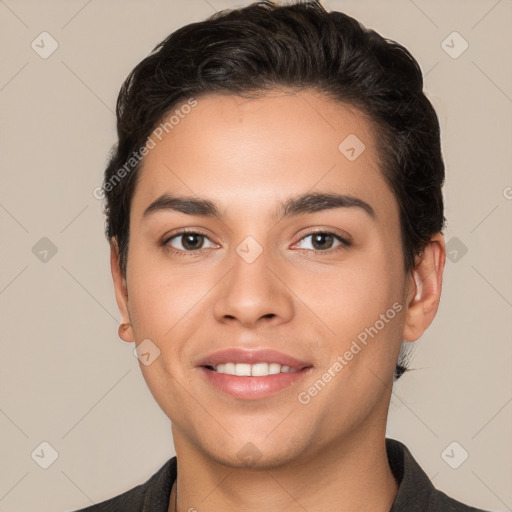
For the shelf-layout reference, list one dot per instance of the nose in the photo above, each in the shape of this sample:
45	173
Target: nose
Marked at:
254	292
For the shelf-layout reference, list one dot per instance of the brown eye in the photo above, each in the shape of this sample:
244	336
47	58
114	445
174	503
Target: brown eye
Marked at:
186	241
323	241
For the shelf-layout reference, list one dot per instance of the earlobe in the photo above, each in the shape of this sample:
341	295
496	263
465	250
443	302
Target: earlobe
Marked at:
125	330
425	285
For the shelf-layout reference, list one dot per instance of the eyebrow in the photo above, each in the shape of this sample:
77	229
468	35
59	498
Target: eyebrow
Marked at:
294	206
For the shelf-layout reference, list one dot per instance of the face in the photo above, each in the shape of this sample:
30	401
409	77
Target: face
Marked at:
308	279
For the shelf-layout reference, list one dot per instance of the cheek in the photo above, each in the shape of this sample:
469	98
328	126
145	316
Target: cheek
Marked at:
161	297
352	296
362	306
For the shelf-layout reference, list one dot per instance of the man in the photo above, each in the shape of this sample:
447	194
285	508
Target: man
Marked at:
275	215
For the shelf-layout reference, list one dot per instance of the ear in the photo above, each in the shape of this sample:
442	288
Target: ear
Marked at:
424	289
121	291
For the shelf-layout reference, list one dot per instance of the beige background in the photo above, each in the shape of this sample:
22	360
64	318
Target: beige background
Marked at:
67	379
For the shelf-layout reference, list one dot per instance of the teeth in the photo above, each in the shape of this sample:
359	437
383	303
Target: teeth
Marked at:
259	369
242	370
274	368
253	370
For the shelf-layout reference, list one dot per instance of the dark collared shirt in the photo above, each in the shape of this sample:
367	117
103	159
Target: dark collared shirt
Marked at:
415	492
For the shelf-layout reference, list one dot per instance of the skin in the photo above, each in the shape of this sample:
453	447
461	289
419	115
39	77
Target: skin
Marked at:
248	156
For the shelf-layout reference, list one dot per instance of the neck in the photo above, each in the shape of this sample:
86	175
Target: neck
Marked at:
353	475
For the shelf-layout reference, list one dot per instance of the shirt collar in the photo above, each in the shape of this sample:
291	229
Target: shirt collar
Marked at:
414	486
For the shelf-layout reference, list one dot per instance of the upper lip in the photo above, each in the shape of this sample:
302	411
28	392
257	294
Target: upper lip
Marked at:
261	355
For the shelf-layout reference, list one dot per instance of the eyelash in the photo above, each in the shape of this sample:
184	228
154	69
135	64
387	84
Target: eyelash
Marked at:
344	244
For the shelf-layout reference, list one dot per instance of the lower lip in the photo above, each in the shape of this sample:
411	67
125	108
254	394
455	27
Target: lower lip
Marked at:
253	388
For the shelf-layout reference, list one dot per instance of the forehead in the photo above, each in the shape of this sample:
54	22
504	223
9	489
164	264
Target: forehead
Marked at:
248	152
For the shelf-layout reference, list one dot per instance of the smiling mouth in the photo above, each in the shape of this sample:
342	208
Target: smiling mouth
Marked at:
255	381
262	369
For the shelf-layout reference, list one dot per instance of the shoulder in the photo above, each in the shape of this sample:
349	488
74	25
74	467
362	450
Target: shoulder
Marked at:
440	501
152	495
415	490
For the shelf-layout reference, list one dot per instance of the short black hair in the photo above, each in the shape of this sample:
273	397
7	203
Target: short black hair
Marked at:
264	46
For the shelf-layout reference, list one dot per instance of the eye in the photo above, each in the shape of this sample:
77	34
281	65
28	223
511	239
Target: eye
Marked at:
323	241
192	241
186	241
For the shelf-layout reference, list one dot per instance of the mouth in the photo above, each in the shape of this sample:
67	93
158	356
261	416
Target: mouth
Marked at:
253	381
262	369
252	374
